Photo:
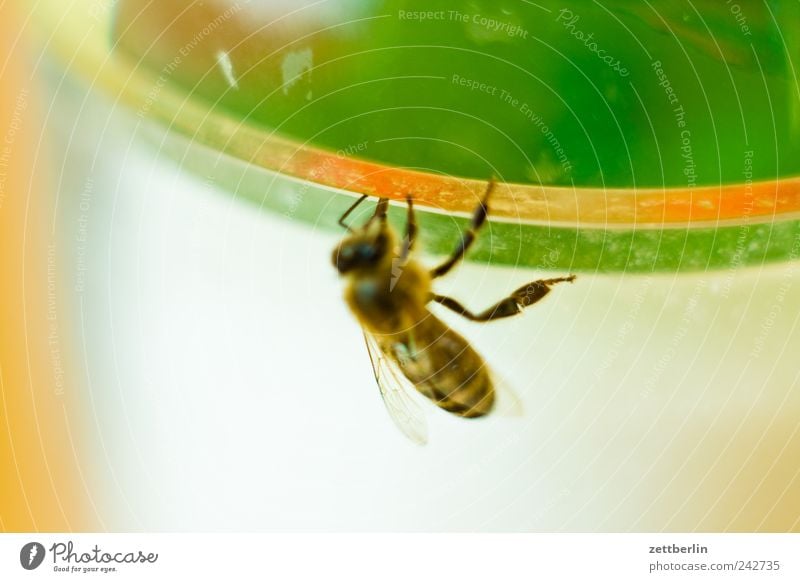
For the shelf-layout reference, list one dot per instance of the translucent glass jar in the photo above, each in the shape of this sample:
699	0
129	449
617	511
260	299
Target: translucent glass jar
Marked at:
650	152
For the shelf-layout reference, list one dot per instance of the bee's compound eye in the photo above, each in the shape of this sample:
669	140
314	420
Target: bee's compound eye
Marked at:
367	253
344	258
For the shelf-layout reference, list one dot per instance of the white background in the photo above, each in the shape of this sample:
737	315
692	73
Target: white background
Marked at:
227	387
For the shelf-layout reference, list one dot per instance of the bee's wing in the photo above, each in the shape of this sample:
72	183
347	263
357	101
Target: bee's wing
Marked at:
508	401
396	390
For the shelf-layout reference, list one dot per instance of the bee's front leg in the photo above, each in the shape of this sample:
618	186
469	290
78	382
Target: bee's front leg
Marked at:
468	237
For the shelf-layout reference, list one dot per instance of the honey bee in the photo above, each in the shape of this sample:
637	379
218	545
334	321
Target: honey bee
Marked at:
389	292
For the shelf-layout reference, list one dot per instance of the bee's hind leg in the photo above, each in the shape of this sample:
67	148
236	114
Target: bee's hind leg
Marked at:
511	305
468	237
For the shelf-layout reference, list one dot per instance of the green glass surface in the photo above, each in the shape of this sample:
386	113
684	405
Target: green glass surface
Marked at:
614	93
592	94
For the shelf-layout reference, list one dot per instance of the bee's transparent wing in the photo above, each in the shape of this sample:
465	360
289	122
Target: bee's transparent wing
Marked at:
508	403
396	392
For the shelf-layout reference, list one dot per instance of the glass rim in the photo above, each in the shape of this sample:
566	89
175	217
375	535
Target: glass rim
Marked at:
588	229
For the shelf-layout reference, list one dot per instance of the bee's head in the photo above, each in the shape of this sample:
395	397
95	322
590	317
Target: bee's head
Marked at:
363	249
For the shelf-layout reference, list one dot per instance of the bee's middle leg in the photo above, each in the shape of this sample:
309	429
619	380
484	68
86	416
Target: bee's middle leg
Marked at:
411	231
511	305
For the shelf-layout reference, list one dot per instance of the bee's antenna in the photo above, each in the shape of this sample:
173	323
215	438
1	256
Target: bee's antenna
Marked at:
349	210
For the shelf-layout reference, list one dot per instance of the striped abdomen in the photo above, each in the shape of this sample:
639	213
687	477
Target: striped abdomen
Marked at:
442	366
